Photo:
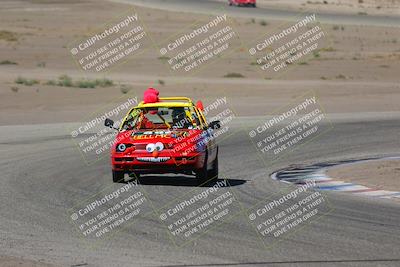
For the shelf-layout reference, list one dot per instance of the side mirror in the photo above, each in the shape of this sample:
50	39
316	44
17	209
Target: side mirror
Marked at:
109	123
214	125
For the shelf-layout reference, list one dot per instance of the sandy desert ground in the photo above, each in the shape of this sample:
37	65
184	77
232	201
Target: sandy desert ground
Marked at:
381	7
375	174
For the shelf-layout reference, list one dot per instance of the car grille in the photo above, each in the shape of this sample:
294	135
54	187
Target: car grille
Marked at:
127	159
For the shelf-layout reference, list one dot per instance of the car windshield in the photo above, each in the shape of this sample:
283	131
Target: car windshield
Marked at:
161	118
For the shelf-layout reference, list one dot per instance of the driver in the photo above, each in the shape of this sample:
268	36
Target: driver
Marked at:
144	123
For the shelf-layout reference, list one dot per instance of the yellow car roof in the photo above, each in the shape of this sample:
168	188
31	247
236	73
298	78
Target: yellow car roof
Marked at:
169	102
162	104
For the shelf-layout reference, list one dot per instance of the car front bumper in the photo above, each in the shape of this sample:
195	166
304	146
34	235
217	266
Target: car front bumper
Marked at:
161	164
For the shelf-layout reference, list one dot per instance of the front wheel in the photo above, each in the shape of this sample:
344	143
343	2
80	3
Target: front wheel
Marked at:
118	176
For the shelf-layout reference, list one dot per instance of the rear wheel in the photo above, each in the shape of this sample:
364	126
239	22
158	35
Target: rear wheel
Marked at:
213	173
118	176
202	174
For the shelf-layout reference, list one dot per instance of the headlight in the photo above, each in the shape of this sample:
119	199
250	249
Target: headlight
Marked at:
150	147
121	148
159	146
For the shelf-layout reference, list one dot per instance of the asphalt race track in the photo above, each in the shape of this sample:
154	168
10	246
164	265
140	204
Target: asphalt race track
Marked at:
43	175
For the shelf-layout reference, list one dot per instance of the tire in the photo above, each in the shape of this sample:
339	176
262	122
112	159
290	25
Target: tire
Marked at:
202	174
213	173
254	5
118	176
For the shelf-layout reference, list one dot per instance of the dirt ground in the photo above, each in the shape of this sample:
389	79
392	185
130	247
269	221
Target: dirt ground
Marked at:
357	71
381	7
7	261
381	174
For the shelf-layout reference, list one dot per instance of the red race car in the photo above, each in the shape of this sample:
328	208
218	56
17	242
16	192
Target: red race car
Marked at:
242	3
170	135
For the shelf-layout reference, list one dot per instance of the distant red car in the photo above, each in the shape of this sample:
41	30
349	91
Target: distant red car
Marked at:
242	3
167	136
